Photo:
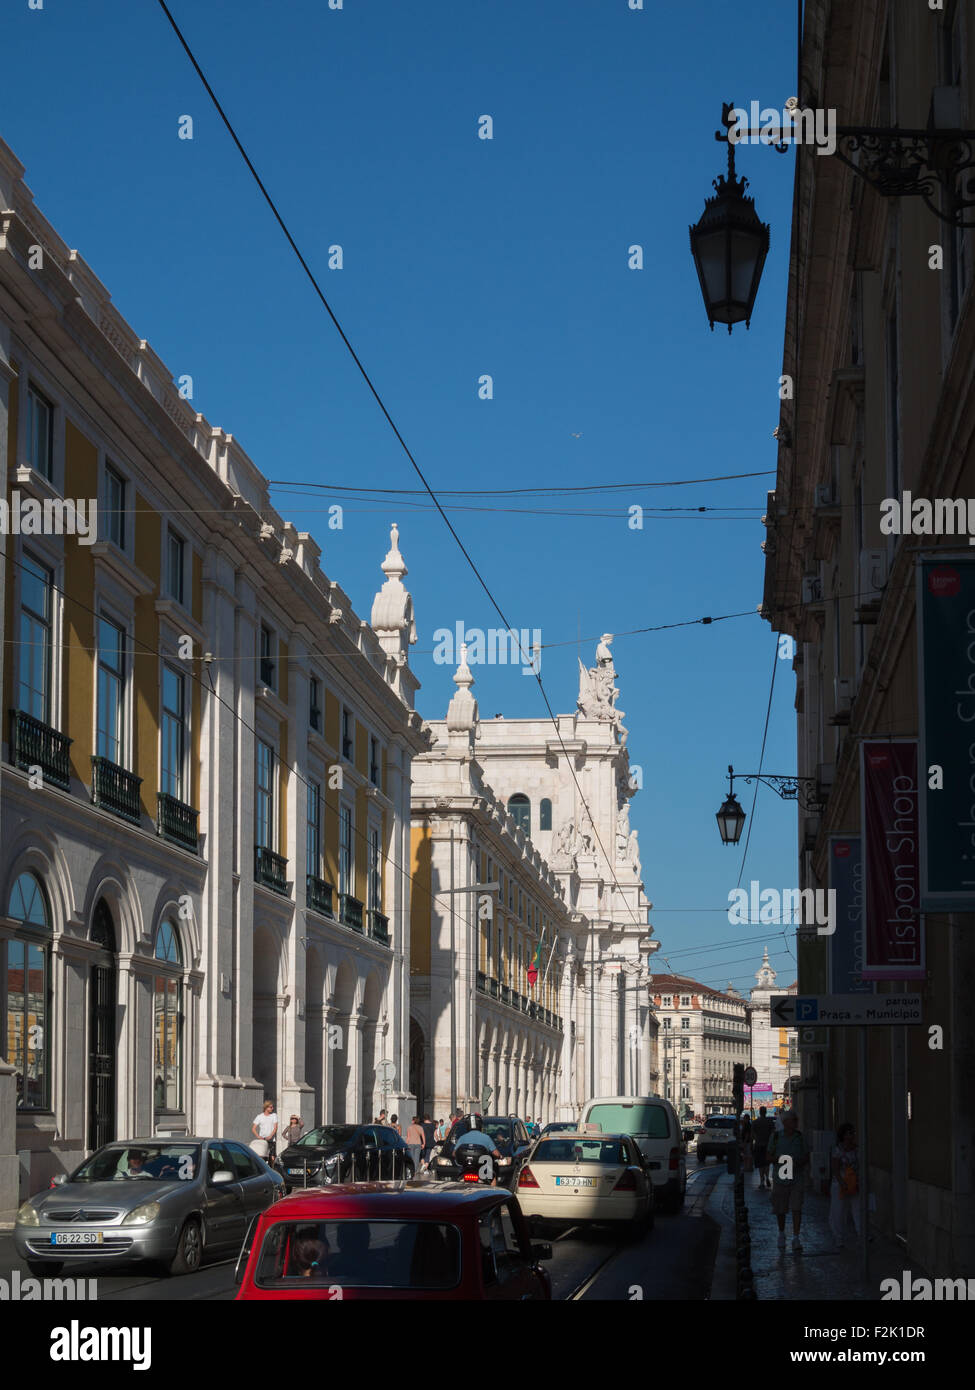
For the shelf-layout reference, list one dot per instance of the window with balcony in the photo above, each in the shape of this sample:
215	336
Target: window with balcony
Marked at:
268	653
685	1023
313	830
346	856
40	433
348	736
115	490
111	691
375	871
175	564
667	1022
266	825
173	733
315	704
375	762
34	694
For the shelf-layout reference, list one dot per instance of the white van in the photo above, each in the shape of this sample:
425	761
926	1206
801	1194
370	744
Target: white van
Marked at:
653	1123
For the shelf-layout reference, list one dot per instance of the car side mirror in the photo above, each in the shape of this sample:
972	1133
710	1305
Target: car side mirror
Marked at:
541	1251
220	1177
59	1178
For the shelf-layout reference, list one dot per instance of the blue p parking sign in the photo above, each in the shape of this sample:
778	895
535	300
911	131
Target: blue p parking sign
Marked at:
807	1010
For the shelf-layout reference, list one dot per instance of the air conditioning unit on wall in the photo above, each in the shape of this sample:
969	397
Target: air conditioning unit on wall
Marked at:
871	581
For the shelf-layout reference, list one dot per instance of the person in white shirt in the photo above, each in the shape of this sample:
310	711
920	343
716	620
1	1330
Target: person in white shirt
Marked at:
264	1129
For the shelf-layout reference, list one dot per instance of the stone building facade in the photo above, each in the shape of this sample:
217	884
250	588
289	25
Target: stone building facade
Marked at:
205	775
568	784
487	963
880	351
703	1033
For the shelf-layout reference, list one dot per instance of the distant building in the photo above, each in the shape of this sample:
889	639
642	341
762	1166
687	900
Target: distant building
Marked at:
703	1033
774	1048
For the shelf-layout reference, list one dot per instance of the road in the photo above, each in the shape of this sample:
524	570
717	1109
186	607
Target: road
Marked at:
673	1262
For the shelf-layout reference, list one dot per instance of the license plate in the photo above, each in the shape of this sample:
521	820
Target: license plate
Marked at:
295	1172
77	1237
575	1182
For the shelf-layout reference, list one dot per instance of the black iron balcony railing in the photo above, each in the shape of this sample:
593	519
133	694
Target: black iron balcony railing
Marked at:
177	822
115	789
33	744
481	982
271	869
318	895
378	926
351	912
505	994
492	987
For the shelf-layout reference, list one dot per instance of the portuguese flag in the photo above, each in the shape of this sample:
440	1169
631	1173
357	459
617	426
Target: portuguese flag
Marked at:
536	962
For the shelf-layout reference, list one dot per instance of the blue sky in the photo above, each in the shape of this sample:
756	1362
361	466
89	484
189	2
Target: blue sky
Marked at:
465	257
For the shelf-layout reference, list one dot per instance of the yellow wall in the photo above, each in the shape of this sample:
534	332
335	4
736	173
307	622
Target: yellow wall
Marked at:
421	883
80	480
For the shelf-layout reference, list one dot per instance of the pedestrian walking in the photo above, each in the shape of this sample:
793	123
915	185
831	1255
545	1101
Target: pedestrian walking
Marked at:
264	1128
415	1141
440	1133
844	1188
293	1130
788	1155
393	1123
382	1118
429	1139
762	1131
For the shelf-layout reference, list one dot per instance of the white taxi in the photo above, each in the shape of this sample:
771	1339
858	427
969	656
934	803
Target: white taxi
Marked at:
587	1178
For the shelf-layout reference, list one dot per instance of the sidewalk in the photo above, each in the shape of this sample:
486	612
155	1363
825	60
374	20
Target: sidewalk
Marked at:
820	1272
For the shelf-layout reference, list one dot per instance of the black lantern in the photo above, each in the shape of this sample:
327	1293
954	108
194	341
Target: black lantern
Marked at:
729	245
731	820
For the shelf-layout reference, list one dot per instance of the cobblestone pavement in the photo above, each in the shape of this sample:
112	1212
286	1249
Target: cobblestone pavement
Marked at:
819	1272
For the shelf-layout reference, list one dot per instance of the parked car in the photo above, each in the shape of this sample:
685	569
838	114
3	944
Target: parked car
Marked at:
653	1123
588	1178
717	1137
168	1201
510	1138
560	1127
345	1153
393	1241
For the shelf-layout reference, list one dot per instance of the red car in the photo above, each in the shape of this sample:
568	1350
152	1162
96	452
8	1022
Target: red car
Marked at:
393	1240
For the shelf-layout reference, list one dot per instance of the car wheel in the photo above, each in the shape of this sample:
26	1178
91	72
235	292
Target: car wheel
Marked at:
40	1268
189	1250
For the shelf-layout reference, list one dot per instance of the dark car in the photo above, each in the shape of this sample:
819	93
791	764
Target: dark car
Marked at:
170	1202
394	1241
510	1139
559	1127
345	1153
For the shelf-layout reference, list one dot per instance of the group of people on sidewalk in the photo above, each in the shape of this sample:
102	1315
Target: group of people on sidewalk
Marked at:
781	1157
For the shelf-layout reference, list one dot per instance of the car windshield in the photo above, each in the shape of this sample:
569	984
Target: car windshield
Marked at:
359	1254
326	1136
581	1151
498	1131
159	1162
650	1120
560	1128
719	1122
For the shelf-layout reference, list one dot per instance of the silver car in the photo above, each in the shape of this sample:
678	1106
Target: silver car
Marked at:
169	1201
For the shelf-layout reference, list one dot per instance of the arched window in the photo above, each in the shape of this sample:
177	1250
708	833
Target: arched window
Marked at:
520	810
168	1021
545	814
28	989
